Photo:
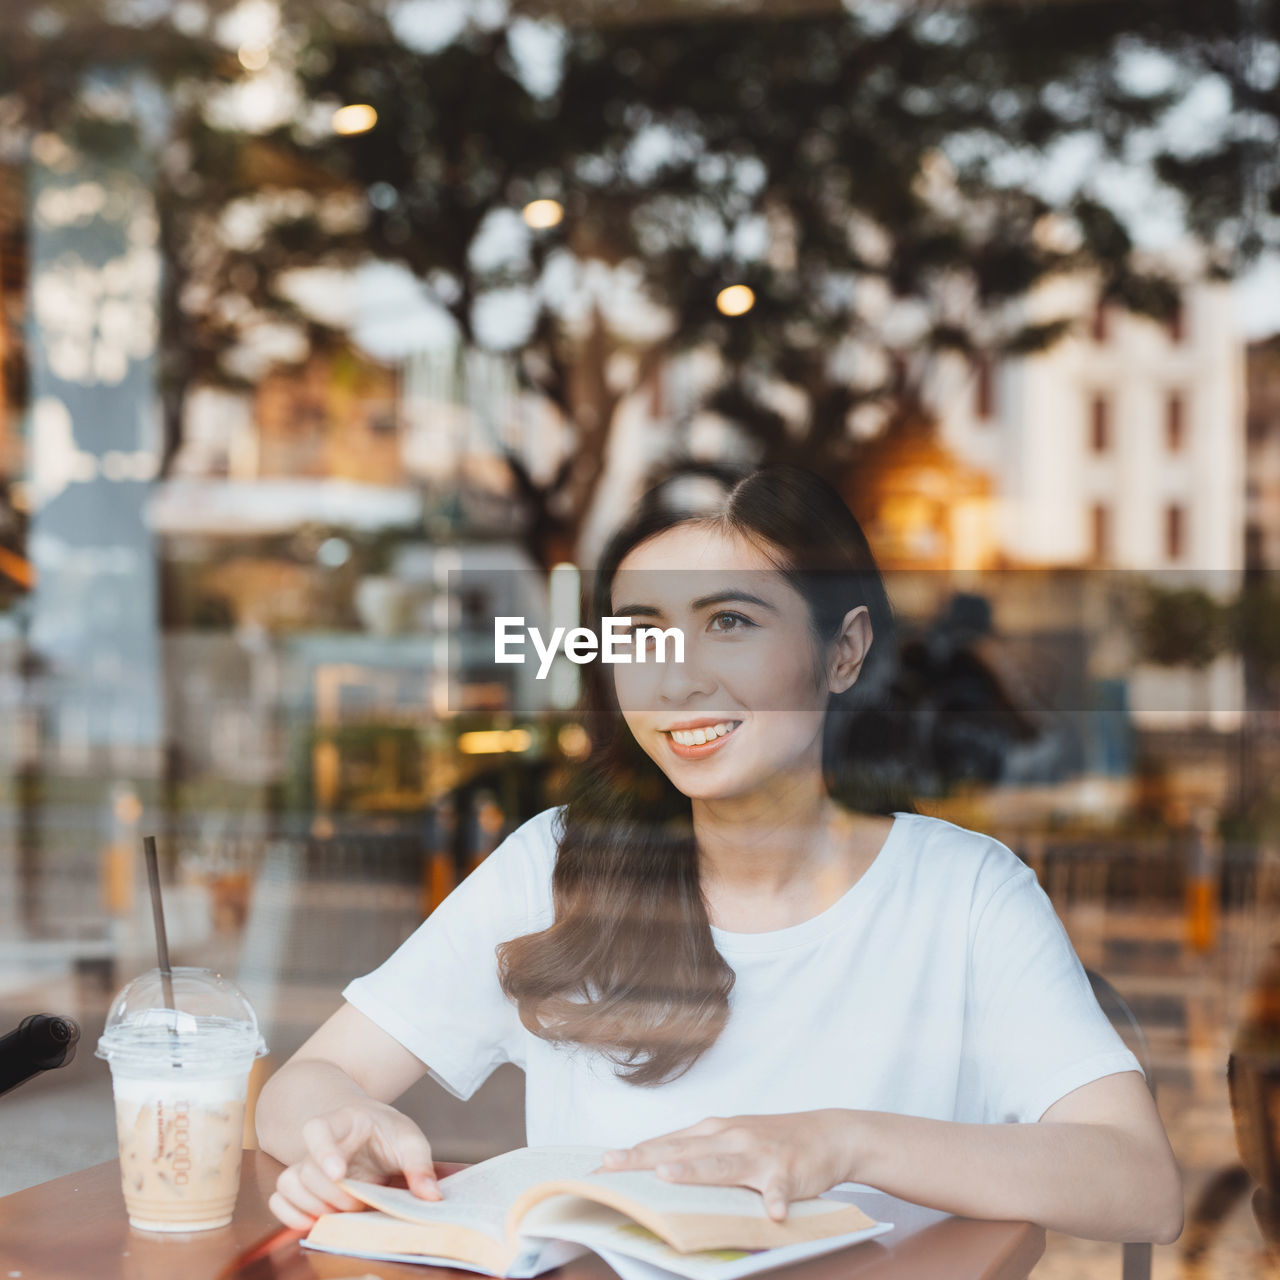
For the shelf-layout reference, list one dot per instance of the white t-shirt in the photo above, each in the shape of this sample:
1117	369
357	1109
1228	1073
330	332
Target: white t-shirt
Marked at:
942	984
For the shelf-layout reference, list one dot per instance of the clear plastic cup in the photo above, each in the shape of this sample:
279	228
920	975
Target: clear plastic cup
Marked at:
180	1077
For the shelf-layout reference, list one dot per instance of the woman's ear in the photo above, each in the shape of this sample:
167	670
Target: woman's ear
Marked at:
850	650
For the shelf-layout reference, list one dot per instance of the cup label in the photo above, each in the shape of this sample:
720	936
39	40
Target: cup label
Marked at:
182	1143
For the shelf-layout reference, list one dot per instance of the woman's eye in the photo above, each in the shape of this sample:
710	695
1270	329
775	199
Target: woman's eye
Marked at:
736	622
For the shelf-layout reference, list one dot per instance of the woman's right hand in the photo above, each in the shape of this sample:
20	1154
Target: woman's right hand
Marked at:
367	1140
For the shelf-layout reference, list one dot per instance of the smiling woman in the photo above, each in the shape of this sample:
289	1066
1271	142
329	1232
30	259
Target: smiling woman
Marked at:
735	955
788	630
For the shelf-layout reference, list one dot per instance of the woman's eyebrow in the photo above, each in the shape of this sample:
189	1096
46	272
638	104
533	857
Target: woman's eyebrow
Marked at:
702	602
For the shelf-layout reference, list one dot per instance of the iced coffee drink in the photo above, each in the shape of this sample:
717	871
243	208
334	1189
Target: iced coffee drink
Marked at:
180	1154
180	1078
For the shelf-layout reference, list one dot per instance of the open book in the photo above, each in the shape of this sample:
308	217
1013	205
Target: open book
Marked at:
524	1212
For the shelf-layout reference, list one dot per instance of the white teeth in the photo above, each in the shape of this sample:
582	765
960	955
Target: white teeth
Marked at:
709	733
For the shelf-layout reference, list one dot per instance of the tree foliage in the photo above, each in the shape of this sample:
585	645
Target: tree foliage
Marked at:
887	179
1182	626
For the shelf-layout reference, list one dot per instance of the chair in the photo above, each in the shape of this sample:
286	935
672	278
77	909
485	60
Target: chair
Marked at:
1136	1259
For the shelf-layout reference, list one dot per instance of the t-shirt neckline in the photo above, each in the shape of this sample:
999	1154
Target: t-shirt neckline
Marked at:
827	920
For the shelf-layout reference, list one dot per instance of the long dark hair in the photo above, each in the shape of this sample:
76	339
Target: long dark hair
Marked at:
629	968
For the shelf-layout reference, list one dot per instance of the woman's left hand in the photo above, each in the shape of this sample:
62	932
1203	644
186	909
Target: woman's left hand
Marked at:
785	1158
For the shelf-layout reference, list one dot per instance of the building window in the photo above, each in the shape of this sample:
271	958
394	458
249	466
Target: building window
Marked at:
984	391
1176	325
1100	423
1174	531
1175	421
1099	532
1101	321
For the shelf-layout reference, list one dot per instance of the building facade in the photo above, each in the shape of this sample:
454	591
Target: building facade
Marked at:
1122	446
1262	458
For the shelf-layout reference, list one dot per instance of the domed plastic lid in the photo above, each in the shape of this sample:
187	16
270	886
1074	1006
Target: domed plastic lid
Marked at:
213	1029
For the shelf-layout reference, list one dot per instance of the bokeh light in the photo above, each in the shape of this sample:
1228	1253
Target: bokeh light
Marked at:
494	741
254	57
543	214
736	300
357	117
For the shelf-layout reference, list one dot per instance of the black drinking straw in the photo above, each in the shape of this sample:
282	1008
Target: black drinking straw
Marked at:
157	912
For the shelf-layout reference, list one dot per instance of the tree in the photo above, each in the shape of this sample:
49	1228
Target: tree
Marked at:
872	174
839	164
1182	626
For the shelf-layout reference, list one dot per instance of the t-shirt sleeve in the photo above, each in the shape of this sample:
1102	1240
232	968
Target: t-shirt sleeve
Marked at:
438	993
1034	1026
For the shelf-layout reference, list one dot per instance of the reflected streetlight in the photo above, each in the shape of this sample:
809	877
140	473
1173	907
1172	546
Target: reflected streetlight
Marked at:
736	300
541	215
357	117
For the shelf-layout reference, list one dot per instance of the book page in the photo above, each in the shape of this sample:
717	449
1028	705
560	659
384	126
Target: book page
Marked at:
351	1250
489	1220
505	1177
480	1196
692	1217
536	1257
613	1235
643	1187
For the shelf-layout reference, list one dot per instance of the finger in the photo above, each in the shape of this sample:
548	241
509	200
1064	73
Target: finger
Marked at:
637	1157
644	1155
776	1200
291	1187
727	1169
290	1216
328	1192
715	1168
648	1155
413	1152
332	1139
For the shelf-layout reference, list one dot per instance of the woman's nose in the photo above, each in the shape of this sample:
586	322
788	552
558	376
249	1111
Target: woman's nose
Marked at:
679	680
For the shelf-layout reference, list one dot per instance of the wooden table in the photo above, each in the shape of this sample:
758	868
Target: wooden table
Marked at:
75	1227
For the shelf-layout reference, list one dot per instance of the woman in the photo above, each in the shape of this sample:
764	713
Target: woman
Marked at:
732	956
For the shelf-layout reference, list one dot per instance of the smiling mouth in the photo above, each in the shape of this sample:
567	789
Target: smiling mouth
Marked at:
703	736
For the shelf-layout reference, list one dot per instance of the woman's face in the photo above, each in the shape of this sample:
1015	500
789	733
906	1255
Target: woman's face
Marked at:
754	683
